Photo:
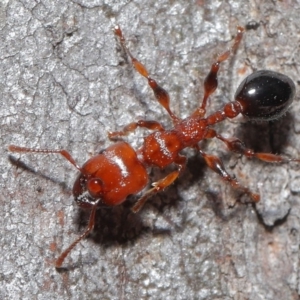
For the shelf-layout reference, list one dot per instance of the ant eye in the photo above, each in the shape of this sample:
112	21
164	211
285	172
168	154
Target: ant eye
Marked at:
265	95
87	191
95	187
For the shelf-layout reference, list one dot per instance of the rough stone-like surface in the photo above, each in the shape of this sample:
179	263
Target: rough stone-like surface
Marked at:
65	82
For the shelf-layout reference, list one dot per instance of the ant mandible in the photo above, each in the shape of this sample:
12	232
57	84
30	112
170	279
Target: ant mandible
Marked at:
110	177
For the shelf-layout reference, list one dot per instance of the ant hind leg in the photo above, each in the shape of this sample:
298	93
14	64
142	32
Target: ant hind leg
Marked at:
237	146
211	80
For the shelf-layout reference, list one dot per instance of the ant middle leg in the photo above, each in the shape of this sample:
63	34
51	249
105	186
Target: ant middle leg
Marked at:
161	184
211	80
160	94
151	125
215	164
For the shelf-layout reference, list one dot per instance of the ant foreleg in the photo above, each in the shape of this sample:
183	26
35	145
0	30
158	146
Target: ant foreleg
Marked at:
64	153
211	80
161	94
157	186
161	184
151	125
215	164
90	227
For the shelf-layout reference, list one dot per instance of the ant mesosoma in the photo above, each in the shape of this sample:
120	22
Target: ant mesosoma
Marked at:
119	171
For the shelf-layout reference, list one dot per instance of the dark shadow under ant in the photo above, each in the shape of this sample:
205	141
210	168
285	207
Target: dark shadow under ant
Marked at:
273	135
19	164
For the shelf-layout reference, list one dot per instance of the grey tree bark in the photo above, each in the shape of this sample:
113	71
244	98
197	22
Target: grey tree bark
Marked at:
64	83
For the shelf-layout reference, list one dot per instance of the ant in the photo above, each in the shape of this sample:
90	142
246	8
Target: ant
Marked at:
111	176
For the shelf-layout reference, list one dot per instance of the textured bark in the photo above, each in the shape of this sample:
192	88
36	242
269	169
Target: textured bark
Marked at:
64	83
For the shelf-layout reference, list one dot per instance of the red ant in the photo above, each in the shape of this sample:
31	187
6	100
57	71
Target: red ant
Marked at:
109	177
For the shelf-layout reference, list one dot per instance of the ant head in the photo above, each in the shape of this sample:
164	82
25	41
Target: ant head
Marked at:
87	190
265	95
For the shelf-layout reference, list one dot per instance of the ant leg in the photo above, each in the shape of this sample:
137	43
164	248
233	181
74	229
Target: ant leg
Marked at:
90	227
161	184
160	94
237	146
211	80
64	153
215	164
151	125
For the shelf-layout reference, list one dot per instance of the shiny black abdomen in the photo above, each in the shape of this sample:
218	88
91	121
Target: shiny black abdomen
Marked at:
265	95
